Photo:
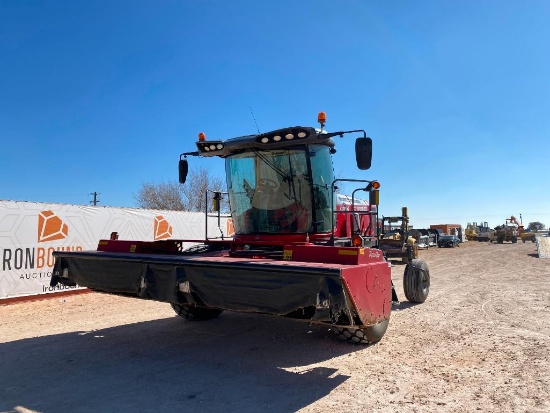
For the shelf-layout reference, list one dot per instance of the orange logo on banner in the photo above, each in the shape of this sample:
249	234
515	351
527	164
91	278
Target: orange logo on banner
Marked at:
163	229
50	227
229	228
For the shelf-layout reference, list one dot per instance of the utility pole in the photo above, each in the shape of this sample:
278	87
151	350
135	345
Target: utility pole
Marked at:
95	201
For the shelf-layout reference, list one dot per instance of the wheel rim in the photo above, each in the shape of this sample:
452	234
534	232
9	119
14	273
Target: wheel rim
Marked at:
424	282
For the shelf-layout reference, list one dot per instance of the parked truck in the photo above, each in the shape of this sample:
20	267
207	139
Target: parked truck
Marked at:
293	253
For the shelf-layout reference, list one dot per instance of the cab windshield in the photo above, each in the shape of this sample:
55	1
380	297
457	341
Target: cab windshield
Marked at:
280	191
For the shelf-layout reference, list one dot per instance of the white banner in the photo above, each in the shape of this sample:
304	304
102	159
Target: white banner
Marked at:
30	232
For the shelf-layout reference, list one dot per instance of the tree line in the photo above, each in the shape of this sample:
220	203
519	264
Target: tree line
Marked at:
190	196
536	226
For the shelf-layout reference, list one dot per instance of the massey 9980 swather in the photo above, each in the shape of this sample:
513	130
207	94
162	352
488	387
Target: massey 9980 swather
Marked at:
296	251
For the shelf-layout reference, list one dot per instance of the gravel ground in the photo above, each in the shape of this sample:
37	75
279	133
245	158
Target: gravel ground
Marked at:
479	343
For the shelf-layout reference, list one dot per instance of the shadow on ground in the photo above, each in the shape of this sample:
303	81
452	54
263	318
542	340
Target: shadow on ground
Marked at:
233	363
397	263
404	305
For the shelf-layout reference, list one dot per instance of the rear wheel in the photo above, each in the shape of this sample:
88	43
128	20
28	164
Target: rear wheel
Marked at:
196	313
365	335
416	281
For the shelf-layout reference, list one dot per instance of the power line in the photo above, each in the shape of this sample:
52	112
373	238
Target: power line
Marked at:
95	200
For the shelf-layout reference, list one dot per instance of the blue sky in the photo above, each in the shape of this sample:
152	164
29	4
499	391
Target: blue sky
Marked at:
104	95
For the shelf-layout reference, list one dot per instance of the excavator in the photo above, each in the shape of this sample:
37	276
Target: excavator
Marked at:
524	235
509	232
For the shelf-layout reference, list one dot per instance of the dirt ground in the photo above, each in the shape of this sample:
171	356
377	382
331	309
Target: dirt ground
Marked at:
479	343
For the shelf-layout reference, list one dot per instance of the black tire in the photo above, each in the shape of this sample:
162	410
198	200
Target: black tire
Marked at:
365	335
514	240
196	313
416	281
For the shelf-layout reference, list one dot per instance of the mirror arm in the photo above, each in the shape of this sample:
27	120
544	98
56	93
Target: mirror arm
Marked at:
341	134
186	154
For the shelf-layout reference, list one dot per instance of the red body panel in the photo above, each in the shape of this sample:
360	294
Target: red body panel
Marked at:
351	220
370	289
366	275
328	254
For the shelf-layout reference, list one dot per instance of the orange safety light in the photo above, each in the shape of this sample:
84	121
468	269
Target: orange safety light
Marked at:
357	241
322	118
375	185
202	136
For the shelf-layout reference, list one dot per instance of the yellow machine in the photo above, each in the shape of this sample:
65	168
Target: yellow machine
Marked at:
394	239
510	231
471	231
528	236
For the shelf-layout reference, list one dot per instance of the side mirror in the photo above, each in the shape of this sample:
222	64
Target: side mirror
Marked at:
183	168
363	153
216	201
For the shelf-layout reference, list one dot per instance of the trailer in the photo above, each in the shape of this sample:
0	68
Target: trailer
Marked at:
296	251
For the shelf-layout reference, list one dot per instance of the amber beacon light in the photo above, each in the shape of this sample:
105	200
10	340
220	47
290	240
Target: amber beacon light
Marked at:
322	118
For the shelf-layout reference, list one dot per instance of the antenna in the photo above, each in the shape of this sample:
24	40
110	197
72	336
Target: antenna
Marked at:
256	123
